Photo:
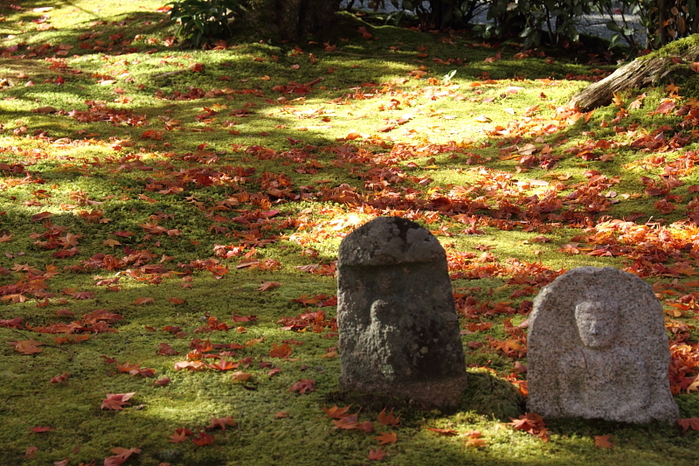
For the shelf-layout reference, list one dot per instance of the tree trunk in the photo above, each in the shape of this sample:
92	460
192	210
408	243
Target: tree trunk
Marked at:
643	71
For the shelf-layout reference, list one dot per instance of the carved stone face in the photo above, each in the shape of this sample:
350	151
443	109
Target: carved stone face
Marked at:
598	322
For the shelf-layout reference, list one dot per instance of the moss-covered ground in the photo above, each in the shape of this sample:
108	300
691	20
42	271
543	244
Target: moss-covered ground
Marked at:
169	224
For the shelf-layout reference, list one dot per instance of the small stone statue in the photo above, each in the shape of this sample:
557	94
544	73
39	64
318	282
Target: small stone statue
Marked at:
598	349
399	332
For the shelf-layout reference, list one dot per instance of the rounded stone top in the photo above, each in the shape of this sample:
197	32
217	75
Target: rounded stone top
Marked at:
389	241
605	300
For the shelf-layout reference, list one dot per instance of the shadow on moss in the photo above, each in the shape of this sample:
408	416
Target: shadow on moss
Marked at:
485	394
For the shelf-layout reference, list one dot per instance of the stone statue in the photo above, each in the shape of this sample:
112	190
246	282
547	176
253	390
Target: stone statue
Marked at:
598	349
399	332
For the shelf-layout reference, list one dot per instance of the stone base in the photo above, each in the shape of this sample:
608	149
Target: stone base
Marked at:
445	393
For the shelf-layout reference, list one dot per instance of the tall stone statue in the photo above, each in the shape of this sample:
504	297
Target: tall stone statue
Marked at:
399	332
598	349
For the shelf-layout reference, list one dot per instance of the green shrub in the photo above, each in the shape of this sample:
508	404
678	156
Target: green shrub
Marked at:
203	20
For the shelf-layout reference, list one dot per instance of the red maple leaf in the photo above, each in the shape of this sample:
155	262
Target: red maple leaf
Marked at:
376	455
531	423
59	378
203	439
337	413
689	423
116	401
39	429
303	386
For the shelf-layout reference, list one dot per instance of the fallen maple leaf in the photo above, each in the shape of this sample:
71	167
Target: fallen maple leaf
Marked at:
180	435
602	441
40	429
388	419
347	422
531	423
116	401
223	365
269	286
27	346
386	437
167	350
692	422
337	413
203	439
152	134
221	422
122	454
196	67
303	386
240	376
162	382
476	442
282	351
59	378
376	455
446	432
41	216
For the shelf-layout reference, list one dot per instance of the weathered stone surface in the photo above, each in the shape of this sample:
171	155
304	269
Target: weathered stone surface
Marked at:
399	331
598	349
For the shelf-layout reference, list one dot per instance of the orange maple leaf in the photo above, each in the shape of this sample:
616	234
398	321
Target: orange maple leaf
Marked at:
221	422
27	346
446	432
281	351
386	437
180	435
269	286
388	419
376	455
122	454
127	367
337	413
531	423
223	365
602	441
347	422
476	442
